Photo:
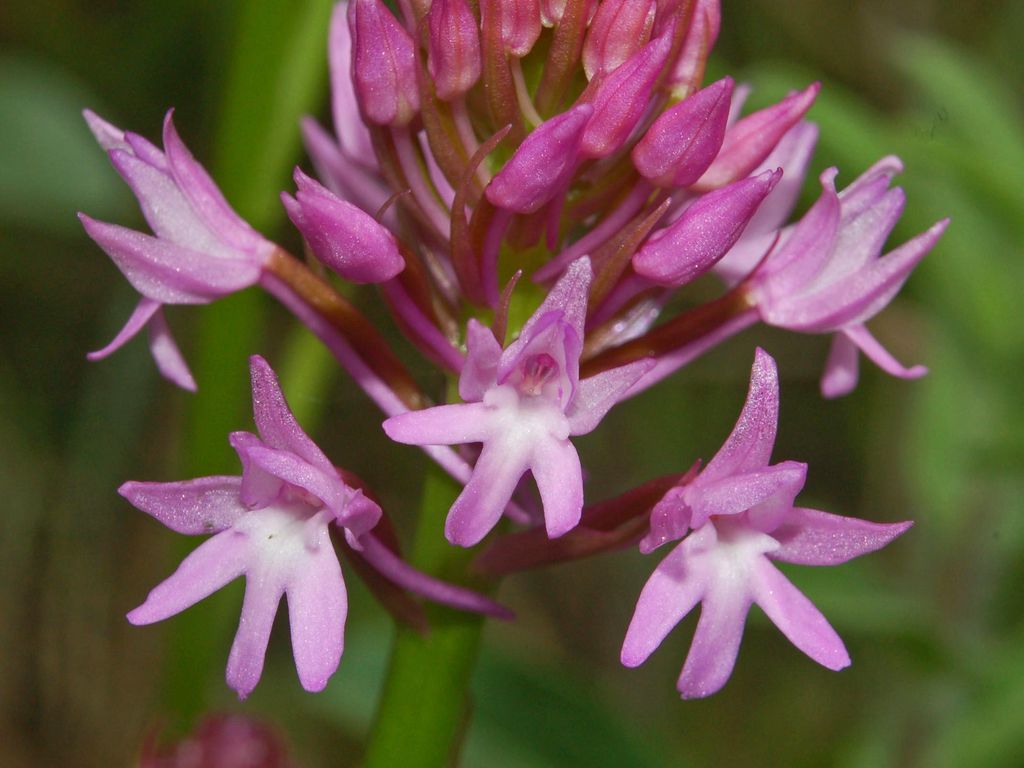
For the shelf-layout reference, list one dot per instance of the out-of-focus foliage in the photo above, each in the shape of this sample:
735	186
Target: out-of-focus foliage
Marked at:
935	624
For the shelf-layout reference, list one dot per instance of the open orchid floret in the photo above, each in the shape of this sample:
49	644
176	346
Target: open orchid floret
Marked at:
741	513
827	274
200	251
523	404
271	525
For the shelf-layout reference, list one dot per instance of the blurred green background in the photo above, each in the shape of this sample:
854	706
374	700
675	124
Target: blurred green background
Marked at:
935	623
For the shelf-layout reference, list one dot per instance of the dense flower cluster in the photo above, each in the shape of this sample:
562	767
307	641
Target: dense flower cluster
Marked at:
527	184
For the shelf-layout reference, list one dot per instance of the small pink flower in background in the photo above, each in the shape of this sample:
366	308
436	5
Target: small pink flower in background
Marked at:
741	513
201	250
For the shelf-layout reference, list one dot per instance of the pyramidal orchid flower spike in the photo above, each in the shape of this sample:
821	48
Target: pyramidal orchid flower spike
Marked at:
531	188
737	517
271	525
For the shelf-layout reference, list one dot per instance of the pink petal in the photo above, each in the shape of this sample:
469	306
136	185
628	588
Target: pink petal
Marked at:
167	211
596	395
209	567
203	505
749	445
166	272
317	607
275	421
259	487
286	466
350	129
556	468
107	135
442	425
453	48
841	368
716	643
806	250
478	508
811	537
742	491
204	196
344	175
169	360
568	296
796	617
861	296
875	352
675	587
618	29
245	662
481	367
141	315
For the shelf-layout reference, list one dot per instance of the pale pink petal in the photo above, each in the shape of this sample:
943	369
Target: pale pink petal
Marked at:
292	469
259	487
796	617
441	425
245	662
168	273
880	356
749	445
350	129
213	564
596	395
556	468
166	209
141	315
675	587
716	643
481	367
169	360
107	135
811	537
203	505
204	196
274	419
841	368
740	492
478	508
317	607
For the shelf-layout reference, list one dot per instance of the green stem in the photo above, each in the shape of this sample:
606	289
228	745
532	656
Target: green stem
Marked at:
423	711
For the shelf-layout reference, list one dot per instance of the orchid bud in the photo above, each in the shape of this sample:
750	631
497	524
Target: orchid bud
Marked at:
701	236
453	48
751	139
618	30
518	23
621	100
541	164
705	23
341	235
552	11
683	142
385	65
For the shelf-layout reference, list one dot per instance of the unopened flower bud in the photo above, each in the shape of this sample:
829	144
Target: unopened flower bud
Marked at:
621	100
751	139
385	65
678	148
518	23
618	30
541	164
341	235
704	233
453	48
